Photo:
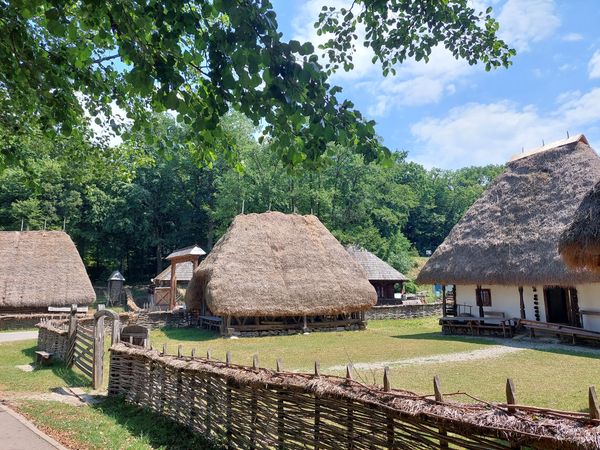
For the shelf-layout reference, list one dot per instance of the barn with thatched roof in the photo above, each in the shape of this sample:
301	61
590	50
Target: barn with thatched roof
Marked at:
41	269
275	271
384	278
502	257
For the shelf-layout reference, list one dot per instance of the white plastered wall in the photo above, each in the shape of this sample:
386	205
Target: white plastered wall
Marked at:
506	299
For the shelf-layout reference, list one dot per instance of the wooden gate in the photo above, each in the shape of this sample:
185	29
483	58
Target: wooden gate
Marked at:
82	353
86	345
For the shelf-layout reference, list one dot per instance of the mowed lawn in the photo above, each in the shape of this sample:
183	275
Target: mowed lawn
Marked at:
553	376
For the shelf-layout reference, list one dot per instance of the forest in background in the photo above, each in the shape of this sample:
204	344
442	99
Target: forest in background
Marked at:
127	207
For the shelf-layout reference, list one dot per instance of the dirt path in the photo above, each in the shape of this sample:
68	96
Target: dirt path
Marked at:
13	336
493	351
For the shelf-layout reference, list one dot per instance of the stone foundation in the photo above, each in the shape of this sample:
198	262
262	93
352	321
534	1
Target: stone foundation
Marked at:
404	311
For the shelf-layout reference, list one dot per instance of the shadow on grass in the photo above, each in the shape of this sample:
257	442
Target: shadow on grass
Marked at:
58	368
160	431
190	334
573	350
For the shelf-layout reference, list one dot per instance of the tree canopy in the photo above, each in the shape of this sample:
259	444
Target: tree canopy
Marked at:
129	213
62	61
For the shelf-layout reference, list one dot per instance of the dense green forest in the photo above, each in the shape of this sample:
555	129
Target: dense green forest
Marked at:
128	207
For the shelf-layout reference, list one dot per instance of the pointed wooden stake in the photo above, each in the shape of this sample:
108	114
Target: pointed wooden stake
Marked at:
164	350
179	353
208	354
279	365
228	358
511	398
255	362
349	372
317	369
194	352
437	389
386	379
594	405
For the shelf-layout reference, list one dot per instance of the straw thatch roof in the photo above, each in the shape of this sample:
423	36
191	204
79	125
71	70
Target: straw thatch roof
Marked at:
183	272
510	235
376	268
275	264
41	268
580	243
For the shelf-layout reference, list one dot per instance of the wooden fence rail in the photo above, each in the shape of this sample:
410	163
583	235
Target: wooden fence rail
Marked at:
254	408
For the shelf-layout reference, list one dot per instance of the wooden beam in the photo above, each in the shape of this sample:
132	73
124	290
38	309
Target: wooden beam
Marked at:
444	300
510	395
173	285
521	303
593	403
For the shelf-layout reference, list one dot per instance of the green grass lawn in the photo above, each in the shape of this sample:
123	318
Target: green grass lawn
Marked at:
111	424
554	378
384	340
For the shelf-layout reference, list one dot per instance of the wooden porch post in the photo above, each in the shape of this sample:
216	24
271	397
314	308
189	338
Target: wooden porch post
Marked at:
479	300
173	284
443	300
521	302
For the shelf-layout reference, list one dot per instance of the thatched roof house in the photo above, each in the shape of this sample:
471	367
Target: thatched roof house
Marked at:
510	236
381	275
580	243
41	269
275	265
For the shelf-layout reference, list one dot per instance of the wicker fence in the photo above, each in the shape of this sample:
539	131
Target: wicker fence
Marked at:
252	408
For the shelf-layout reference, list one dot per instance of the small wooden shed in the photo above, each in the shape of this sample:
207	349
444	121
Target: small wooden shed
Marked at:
183	263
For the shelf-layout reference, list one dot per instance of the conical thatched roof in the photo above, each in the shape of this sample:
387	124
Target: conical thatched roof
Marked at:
41	268
510	235
580	243
275	264
376	268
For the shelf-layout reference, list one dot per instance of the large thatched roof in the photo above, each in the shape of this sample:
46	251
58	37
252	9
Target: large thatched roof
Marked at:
580	243
41	268
510	235
376	268
275	264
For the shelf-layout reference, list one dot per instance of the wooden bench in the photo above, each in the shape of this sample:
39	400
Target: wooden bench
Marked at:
210	322
475	325
44	358
559	330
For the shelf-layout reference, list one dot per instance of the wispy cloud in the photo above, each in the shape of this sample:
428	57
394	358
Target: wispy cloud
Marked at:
594	65
572	37
523	22
478	133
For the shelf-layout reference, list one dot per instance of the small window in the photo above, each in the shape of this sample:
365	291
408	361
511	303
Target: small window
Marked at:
484	297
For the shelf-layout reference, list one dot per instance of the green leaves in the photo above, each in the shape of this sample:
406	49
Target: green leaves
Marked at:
396	30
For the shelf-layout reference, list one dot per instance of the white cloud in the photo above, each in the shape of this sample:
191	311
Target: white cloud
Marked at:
523	22
477	134
594	65
572	37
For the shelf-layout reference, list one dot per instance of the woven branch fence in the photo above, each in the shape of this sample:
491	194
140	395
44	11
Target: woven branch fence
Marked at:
252	408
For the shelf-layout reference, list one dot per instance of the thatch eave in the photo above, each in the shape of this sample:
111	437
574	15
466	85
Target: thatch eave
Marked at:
510	235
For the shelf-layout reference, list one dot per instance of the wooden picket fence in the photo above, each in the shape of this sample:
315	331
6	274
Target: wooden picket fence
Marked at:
253	408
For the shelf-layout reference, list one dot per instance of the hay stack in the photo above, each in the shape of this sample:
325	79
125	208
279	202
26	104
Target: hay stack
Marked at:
510	235
40	269
275	264
580	243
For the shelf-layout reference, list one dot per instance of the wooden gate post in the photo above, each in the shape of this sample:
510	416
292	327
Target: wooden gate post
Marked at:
98	369
72	335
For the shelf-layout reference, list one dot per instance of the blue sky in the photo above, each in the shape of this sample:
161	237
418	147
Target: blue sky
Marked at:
448	114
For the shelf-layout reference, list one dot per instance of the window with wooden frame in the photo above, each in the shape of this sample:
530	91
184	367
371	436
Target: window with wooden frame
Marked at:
483	297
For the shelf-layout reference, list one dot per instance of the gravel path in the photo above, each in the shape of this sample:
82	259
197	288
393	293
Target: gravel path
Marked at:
493	351
14	336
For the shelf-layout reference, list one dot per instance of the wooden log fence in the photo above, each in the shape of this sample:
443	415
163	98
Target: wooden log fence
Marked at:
257	408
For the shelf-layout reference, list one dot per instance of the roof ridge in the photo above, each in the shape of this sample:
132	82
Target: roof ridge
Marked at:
570	140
